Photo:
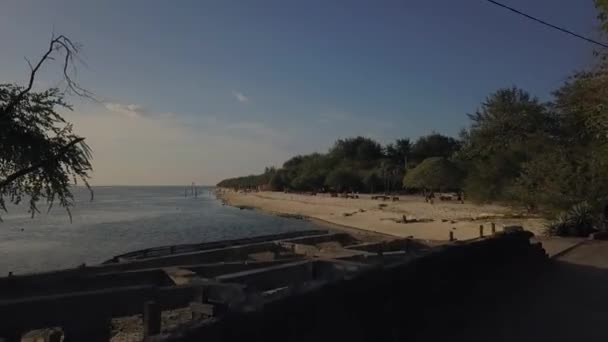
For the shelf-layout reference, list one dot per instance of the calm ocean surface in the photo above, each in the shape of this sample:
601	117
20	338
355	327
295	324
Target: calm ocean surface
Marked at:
123	219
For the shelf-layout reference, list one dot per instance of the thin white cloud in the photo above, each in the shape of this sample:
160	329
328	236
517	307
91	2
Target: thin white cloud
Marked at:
240	96
136	111
129	110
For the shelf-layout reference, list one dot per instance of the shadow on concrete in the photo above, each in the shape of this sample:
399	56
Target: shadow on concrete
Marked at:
566	302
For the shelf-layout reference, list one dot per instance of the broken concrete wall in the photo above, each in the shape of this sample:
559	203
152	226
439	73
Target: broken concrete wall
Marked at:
424	299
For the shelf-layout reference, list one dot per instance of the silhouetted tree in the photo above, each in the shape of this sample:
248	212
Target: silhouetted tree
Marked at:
433	145
40	156
357	149
343	180
510	129
372	182
399	152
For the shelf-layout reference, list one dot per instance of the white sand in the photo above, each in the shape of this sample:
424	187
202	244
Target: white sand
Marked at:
365	213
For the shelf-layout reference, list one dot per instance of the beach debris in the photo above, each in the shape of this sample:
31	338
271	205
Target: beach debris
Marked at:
292	216
405	219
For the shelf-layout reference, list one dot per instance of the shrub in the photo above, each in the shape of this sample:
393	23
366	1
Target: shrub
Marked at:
579	220
435	173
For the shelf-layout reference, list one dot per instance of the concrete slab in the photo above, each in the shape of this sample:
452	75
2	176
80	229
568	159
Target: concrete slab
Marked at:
556	246
567	302
179	276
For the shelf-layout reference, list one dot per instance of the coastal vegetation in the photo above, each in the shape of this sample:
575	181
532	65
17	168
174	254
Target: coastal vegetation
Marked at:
545	156
549	156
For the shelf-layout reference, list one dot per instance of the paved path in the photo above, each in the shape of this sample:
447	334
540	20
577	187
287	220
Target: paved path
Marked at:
567	302
557	245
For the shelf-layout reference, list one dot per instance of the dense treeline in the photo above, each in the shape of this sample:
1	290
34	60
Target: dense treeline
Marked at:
516	149
352	164
550	156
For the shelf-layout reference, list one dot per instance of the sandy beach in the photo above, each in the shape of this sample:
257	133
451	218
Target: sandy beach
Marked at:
424	220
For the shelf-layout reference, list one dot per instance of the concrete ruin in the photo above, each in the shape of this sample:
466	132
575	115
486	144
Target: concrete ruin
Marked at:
312	285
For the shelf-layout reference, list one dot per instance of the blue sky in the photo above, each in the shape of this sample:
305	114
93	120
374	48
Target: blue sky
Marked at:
202	90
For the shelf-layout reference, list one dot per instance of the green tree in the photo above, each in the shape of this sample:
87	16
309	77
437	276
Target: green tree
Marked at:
308	181
433	145
510	129
343	180
399	152
602	7
577	168
358	149
40	155
436	173
372	182
277	181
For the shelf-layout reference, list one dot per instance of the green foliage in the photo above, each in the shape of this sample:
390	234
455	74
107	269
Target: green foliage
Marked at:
602	7
582	104
277	181
249	182
343	180
436	173
433	145
372	182
364	158
510	129
580	220
308	181
359	149
399	152
40	155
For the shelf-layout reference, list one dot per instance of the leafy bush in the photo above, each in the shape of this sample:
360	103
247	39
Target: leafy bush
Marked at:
580	220
435	173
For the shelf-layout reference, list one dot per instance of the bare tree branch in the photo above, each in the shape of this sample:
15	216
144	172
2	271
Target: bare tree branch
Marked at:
57	43
29	64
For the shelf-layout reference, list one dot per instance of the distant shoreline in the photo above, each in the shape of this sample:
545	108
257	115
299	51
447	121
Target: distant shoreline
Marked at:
384	219
365	234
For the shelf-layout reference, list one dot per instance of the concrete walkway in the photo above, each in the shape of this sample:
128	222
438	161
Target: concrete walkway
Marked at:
567	302
555	246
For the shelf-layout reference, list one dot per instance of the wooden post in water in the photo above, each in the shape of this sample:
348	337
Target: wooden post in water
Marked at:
152	319
451	235
481	230
493	228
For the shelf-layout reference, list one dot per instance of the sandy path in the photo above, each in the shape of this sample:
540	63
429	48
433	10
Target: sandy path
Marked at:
365	213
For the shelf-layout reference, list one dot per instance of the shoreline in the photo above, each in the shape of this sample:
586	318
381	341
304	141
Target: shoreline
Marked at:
381	220
363	234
